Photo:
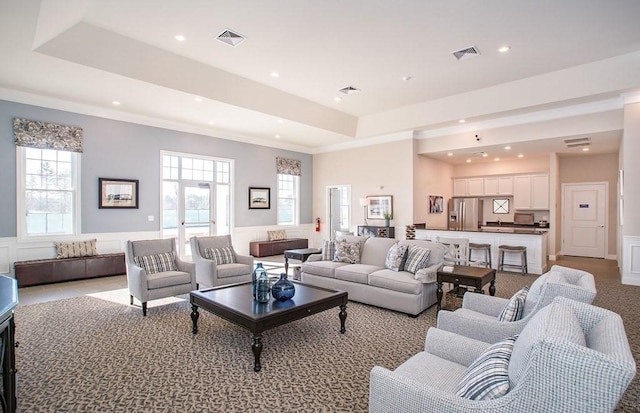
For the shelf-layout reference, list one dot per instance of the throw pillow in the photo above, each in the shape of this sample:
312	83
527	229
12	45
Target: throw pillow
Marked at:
347	252
328	250
515	307
76	249
395	256
152	264
277	235
224	255
417	258
488	376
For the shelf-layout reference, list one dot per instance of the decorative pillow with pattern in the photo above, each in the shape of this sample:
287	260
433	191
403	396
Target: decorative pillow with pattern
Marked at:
488	376
515	307
278	235
417	258
152	264
395	257
328	250
347	252
224	255
76	249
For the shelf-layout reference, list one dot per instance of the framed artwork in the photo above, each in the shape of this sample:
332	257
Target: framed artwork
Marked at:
379	206
117	193
436	204
259	198
500	206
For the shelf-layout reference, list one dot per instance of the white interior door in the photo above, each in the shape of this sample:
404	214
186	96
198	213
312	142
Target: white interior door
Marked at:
583	220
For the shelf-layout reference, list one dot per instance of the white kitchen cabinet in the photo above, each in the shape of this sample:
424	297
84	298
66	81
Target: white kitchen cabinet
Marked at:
498	185
531	192
460	187
475	187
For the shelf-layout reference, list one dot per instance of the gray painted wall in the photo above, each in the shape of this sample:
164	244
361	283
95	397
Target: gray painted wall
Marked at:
115	149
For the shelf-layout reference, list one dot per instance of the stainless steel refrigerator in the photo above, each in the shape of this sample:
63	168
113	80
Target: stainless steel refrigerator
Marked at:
464	214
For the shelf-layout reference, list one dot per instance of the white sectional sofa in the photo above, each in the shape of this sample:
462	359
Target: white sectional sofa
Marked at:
370	282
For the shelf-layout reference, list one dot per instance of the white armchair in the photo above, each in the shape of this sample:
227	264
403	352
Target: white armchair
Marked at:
478	317
230	268
572	358
154	270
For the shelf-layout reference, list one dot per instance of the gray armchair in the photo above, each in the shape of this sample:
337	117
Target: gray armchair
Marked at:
154	270
478	317
211	274
571	357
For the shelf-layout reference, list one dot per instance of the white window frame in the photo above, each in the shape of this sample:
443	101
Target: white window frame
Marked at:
21	223
296	201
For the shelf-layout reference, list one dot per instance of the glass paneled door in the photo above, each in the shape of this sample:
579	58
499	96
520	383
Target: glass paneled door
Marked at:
197	209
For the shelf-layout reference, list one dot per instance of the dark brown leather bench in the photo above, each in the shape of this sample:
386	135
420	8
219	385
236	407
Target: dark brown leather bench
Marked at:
267	248
36	272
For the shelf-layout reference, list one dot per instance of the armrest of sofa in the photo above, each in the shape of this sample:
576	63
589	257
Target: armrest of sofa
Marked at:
453	347
428	274
485	304
244	259
315	257
489	331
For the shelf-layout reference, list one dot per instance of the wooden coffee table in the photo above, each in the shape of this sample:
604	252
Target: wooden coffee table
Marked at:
465	275
235	303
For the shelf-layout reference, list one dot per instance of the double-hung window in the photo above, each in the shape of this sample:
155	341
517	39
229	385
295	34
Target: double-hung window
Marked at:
288	192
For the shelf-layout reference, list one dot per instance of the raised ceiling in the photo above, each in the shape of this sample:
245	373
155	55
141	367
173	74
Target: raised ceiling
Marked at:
81	54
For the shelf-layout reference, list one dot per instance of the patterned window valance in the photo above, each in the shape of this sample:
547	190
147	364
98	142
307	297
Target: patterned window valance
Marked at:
288	166
45	135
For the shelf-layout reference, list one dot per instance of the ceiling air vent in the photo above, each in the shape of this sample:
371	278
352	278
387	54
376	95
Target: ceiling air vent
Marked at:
466	53
349	90
230	37
577	142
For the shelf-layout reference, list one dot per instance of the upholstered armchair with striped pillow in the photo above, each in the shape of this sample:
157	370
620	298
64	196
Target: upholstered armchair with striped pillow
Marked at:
154	270
217	262
572	357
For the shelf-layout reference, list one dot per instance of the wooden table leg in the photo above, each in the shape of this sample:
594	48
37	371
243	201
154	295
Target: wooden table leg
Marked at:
439	296
194	318
286	265
492	287
256	347
343	317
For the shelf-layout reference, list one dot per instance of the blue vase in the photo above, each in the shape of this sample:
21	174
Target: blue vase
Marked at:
262	288
254	278
283	289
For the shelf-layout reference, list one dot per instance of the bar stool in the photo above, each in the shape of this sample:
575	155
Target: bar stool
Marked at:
502	249
486	250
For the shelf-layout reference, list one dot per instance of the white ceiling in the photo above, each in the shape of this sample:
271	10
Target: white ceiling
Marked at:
81	55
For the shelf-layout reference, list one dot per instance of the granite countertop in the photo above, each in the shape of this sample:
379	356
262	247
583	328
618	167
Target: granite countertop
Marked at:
498	230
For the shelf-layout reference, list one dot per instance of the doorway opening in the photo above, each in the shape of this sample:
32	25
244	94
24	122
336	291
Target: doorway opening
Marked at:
339	209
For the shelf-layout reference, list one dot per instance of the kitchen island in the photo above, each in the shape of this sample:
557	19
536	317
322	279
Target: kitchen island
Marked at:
535	241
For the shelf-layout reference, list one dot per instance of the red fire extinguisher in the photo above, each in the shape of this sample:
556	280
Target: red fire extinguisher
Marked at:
317	224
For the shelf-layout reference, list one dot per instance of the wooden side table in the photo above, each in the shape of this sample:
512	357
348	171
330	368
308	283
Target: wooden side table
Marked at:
299	254
465	275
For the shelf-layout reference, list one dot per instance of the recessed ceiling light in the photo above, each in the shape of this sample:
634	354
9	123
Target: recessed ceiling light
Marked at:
277	136
585	149
461	121
450	154
504	49
198	99
115	103
275	74
406	78
180	38
280	121
337	99
211	122
484	155
496	159
507	148
520	155
468	160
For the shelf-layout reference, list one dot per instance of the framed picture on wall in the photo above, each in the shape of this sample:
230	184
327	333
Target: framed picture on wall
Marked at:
379	206
117	193
436	204
259	198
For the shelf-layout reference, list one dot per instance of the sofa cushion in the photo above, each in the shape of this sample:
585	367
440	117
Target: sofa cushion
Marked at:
154	263
76	249
396	257
277	235
167	279
514	308
347	252
328	250
417	258
216	241
433	371
401	281
356	272
322	268
374	251
233	270
224	255
488	376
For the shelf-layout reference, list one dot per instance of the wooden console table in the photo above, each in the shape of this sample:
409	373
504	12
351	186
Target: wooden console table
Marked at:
381	232
267	248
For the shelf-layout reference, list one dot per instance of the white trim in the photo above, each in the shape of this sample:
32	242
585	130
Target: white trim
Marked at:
364	142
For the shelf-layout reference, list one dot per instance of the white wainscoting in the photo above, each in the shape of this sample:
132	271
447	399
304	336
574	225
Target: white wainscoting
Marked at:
631	260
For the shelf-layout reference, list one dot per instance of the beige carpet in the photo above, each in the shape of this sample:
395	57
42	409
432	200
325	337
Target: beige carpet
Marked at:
97	354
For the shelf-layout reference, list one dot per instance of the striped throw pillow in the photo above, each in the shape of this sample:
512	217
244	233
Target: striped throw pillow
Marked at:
224	255
488	376
417	258
152	264
328	250
515	307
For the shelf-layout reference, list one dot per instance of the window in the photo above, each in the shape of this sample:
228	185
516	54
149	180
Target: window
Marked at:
48	192
288	194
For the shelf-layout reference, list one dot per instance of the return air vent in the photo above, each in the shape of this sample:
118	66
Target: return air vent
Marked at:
349	90
230	37
577	142
466	53
481	154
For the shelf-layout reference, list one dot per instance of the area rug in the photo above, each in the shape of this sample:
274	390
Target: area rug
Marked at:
98	354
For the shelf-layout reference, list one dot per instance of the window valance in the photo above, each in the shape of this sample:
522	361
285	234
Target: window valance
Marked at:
45	135
288	166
